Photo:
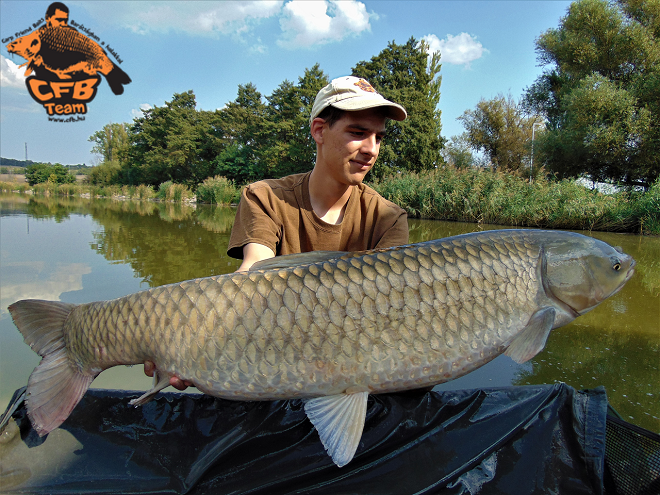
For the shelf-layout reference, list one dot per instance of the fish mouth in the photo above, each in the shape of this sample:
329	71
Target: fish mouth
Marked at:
629	274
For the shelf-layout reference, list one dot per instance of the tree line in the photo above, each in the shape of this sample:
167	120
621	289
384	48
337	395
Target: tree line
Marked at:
256	136
594	112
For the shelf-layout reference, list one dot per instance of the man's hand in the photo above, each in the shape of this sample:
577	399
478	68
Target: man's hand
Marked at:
175	381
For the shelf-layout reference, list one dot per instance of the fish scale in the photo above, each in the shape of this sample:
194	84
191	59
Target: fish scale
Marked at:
329	325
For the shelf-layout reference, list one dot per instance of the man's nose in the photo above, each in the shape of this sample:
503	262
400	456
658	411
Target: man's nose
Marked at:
369	145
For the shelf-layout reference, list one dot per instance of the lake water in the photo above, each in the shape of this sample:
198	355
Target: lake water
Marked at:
77	250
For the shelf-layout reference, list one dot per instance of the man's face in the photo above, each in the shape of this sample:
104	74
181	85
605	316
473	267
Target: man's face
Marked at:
59	18
348	149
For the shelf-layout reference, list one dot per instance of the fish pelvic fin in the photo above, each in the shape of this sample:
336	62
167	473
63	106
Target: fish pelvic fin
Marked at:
531	340
161	381
339	420
57	384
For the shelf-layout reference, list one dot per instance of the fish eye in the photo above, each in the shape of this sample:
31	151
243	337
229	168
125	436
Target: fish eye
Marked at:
616	263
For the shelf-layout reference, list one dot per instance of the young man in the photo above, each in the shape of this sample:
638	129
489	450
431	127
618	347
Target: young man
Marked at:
328	208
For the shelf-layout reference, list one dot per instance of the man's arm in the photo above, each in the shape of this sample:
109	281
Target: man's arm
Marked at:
253	252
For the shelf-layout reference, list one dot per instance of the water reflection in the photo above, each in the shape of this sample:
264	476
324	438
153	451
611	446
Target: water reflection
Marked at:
81	250
167	244
32	279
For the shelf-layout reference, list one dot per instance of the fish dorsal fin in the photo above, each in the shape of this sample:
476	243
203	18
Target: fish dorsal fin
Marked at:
292	260
531	340
339	419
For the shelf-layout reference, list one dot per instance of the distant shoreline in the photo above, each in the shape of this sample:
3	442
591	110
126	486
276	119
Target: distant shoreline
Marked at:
463	195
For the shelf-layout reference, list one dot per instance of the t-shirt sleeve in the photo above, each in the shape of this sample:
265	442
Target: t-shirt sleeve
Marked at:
397	234
256	221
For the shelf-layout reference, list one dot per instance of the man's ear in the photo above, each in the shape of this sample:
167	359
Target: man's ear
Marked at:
316	130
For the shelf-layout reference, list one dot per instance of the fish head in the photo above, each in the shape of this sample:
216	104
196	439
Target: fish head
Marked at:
27	46
582	272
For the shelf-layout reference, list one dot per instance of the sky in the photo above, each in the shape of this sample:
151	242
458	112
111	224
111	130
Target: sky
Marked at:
212	47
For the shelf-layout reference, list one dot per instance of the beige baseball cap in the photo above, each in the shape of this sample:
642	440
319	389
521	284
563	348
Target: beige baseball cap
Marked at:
352	94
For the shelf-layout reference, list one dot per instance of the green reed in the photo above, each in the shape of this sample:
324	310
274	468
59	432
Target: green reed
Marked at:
502	198
218	190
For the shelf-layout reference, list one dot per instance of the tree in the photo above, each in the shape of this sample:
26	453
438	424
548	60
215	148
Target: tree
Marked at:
290	146
501	129
110	142
38	173
170	143
457	152
241	124
600	92
407	75
272	139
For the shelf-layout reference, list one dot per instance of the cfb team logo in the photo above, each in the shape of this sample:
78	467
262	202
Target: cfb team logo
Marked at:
64	66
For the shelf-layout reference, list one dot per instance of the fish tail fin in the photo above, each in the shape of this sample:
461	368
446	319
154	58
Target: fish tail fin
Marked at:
56	385
116	79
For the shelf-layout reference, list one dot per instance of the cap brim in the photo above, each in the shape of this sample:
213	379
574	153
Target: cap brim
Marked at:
395	112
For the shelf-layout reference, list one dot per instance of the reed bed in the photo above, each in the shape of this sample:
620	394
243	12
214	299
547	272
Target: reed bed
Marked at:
218	190
171	191
501	198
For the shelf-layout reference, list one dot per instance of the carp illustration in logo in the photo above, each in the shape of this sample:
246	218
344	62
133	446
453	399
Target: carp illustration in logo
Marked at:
66	64
64	52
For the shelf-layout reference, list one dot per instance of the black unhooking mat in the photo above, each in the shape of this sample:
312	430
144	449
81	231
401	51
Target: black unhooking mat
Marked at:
547	439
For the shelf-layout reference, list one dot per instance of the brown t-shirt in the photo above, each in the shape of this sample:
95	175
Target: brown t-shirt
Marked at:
278	214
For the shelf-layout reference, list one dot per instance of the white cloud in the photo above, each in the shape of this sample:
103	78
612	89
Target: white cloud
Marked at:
306	23
10	75
193	17
137	113
303	22
457	50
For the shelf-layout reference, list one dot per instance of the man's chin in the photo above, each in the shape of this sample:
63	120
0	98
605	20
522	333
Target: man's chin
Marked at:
356	179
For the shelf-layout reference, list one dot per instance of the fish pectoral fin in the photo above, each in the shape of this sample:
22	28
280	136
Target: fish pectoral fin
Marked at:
339	420
531	340
161	381
293	260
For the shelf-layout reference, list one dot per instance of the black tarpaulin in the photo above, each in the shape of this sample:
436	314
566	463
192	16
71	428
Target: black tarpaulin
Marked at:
547	439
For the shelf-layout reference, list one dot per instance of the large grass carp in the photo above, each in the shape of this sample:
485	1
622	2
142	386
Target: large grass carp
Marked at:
328	327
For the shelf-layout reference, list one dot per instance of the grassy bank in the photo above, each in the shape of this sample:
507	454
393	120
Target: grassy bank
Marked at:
444	194
214	190
505	199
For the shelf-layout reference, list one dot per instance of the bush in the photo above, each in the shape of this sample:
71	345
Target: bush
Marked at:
145	192
70	190
169	191
38	173
218	190
104	174
648	208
